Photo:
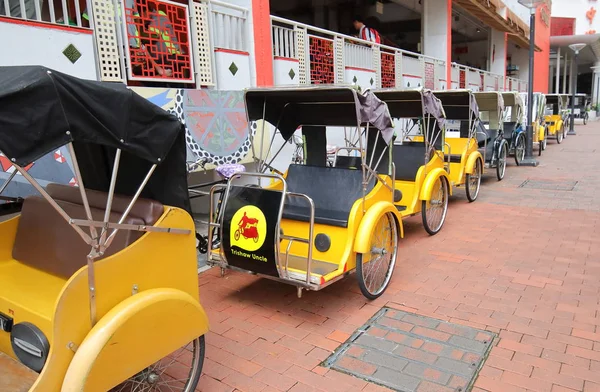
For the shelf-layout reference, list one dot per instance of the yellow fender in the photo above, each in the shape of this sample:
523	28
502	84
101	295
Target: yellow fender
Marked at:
133	335
368	222
471	161
432	176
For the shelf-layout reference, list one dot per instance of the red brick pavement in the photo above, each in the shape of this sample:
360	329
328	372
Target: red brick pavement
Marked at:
521	262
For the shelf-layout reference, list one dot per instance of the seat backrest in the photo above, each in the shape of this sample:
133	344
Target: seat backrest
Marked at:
44	240
347	162
509	128
145	209
464	129
331	188
408	158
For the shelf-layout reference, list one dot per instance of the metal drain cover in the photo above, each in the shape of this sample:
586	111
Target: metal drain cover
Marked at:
549	185
407	352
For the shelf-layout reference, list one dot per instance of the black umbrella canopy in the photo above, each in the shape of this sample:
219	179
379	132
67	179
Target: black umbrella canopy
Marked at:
42	109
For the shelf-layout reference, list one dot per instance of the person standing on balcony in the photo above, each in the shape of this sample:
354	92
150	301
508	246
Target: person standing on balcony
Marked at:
364	32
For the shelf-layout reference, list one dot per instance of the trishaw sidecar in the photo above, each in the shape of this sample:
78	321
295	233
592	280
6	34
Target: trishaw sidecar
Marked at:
555	116
581	106
512	125
422	184
539	123
465	162
315	223
98	282
488	108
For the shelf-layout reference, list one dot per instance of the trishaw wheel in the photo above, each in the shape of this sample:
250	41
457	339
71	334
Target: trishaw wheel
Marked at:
585	119
376	267
474	182
560	135
501	165
236	235
201	243
519	149
545	141
433	212
170	373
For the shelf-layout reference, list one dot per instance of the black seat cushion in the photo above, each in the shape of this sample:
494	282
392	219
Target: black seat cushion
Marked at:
486	141
332	189
509	128
408	158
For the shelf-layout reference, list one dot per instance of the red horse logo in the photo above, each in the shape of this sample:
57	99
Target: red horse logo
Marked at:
247	228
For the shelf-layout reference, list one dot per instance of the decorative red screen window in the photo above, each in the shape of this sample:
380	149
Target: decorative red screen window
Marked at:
429	76
562	26
321	61
462	79
388	70
158	41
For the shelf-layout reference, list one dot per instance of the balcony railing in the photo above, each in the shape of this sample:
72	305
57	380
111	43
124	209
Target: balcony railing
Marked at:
324	57
69	13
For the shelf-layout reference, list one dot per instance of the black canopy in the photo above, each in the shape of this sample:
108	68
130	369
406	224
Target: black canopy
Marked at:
42	110
288	108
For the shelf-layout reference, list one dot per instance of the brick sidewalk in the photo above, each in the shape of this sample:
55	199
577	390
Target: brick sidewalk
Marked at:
521	262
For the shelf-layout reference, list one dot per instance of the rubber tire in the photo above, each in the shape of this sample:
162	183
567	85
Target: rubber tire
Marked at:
194	382
359	265
501	173
560	134
520	139
478	168
424	210
202	243
585	119
545	142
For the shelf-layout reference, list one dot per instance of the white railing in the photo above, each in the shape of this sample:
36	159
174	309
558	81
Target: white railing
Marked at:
514	84
284	42
475	79
68	13
331	54
394	67
230	26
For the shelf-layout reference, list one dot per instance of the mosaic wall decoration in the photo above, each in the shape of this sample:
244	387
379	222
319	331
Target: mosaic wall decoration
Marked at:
216	126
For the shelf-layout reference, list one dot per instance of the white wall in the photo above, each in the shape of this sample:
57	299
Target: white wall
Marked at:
577	9
29	45
435	28
498	47
520	10
520	57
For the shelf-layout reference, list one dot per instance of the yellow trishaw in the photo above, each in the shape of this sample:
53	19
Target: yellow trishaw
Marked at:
421	179
539	122
98	282
490	134
314	224
555	112
465	163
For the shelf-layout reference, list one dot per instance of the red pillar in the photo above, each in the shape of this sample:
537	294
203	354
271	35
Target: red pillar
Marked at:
263	48
542	59
449	46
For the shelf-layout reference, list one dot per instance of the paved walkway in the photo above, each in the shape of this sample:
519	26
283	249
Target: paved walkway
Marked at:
522	262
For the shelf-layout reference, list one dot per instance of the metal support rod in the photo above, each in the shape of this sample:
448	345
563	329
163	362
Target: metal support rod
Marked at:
111	194
84	199
129	207
12	175
573	92
529	160
557	81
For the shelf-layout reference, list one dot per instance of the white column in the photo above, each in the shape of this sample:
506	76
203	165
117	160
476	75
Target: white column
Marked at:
564	82
557	82
437	28
596	83
497	52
